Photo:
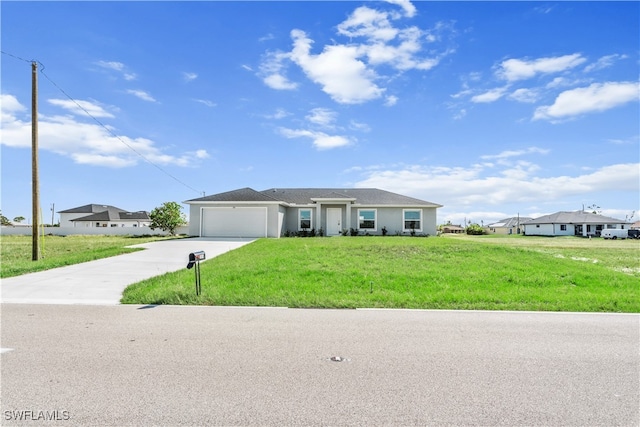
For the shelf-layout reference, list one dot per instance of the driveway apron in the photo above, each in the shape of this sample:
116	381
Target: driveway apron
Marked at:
102	282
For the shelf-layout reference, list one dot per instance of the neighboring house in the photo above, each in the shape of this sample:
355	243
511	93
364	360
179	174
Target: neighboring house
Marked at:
452	229
507	226
635	225
578	223
270	213
90	216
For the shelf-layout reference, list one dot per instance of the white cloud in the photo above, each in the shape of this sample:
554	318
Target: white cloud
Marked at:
362	127
200	154
188	77
370	23
544	9
280	113
102	160
594	98
478	185
81	108
277	81
489	96
10	104
206	102
272	71
525	95
460	114
349	72
521	69
85	143
604	62
390	101
320	140
119	67
337	69
515	153
407	6
625	141
111	65
141	94
322	116
267	37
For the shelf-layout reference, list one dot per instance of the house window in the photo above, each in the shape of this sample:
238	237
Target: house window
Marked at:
304	219
537	225
412	220
367	219
114	225
563	227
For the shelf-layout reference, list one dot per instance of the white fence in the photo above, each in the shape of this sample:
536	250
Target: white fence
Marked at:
94	231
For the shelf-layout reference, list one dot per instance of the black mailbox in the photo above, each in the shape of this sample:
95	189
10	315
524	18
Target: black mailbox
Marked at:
194	260
194	257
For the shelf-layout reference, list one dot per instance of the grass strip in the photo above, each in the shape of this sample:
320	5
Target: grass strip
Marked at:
59	251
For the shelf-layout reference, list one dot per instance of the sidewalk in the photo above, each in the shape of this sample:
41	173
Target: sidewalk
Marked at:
102	282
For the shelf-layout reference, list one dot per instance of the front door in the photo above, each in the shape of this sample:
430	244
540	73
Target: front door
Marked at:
334	221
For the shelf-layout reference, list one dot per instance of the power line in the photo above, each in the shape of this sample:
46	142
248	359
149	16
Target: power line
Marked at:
101	124
17	57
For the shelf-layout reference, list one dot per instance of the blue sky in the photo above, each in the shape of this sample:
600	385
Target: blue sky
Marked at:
491	109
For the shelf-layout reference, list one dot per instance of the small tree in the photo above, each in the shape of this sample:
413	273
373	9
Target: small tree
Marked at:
19	219
475	229
167	217
4	219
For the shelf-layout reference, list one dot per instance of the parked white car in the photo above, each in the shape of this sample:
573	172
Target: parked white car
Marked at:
614	233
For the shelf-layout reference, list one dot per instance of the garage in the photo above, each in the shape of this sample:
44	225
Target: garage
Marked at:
234	222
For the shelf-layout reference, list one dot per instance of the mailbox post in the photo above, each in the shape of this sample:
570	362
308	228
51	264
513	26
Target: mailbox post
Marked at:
194	260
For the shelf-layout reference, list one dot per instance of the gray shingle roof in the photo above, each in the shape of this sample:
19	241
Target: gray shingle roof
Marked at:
576	217
115	215
510	222
301	196
241	195
92	208
363	196
140	215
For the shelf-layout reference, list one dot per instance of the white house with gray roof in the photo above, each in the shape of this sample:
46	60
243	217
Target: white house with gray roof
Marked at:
271	213
577	223
511	225
100	216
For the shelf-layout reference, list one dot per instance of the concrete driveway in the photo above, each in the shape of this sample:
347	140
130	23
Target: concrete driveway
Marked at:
102	282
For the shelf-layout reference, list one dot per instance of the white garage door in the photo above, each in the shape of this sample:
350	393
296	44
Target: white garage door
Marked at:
234	222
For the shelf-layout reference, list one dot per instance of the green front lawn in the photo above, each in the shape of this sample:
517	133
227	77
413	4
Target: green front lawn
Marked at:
58	251
483	272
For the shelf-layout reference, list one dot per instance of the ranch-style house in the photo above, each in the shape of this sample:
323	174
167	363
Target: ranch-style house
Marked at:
274	212
578	223
99	216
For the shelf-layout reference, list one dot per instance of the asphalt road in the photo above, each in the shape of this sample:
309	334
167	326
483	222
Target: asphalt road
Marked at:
165	365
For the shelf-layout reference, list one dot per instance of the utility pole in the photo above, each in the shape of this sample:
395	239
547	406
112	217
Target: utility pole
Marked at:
53	210
35	182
